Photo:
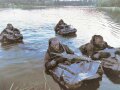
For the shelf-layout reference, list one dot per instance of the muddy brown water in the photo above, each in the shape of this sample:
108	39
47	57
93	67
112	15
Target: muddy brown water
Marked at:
22	65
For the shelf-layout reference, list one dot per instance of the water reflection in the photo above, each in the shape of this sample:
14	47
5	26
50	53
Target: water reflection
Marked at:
68	37
114	15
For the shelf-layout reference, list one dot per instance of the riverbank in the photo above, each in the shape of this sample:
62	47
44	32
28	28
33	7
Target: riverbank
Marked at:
41	6
26	76
110	8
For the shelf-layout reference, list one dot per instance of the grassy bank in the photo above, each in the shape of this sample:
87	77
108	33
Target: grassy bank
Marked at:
111	9
108	3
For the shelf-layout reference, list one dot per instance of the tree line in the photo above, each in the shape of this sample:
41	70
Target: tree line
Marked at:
109	3
50	2
102	3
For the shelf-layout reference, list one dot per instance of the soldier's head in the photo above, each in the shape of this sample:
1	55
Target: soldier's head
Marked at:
9	26
54	43
98	41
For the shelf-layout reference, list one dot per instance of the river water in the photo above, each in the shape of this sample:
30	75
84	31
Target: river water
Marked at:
21	65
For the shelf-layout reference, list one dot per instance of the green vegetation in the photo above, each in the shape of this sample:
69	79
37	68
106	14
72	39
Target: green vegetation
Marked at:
19	3
109	3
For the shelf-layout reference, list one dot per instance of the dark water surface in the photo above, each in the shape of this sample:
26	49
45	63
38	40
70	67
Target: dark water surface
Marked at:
21	65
